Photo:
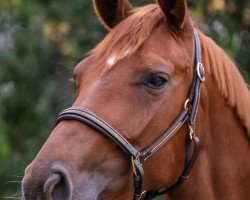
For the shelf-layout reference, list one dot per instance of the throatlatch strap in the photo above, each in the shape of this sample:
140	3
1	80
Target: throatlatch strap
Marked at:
190	160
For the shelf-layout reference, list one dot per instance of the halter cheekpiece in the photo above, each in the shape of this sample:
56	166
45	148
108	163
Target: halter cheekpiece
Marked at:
139	157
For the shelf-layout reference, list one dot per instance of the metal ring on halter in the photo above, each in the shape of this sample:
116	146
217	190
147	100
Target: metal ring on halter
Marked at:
200	74
186	104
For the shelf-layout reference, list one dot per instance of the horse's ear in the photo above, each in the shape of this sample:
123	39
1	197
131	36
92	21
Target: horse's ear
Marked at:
112	12
175	10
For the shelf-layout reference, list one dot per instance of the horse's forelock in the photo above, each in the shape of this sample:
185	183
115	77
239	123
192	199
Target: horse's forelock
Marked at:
128	36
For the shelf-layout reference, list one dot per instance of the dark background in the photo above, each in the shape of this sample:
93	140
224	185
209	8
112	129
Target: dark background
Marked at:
40	43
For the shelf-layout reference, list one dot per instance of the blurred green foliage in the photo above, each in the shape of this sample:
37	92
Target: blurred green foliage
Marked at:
40	43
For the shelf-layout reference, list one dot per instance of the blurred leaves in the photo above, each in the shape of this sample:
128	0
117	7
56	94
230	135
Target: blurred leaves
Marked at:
228	23
40	43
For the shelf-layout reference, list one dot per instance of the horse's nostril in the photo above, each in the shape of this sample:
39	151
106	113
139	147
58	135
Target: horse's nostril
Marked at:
58	185
51	183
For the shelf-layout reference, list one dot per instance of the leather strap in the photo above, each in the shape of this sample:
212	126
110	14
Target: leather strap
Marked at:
91	119
138	179
194	94
87	117
190	160
165	137
194	100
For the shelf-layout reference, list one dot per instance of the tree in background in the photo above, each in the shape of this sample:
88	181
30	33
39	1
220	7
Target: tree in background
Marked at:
228	23
40	43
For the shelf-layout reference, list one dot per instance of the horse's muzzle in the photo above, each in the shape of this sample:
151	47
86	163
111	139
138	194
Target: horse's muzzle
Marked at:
56	186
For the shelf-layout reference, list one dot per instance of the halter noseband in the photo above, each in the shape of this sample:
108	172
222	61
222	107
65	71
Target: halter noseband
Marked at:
139	157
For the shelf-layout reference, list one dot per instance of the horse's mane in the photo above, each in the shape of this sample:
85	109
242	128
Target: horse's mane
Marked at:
228	79
128	36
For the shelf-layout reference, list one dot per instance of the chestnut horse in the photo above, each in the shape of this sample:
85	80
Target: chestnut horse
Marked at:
137	80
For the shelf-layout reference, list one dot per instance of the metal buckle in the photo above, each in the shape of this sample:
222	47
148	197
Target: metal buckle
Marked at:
191	131
133	163
200	74
143	194
186	104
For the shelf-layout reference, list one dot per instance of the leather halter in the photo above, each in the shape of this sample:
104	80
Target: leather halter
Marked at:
139	157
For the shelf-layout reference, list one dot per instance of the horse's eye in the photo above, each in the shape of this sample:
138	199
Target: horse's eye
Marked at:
157	81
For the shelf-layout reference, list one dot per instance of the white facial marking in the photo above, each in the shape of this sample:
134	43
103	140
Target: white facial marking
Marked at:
111	60
126	53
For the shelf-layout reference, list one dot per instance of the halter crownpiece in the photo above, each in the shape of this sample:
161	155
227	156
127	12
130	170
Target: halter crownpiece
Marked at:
139	157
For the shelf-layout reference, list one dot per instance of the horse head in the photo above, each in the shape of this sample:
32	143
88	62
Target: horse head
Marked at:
132	87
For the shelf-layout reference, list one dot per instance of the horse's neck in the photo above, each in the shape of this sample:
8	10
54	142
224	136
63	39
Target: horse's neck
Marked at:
222	170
